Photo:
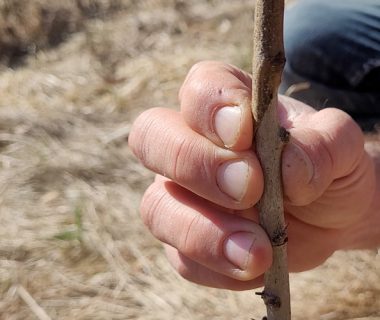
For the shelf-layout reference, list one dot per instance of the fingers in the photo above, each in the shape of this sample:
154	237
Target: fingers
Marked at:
211	247
195	272
165	144
206	150
325	145
220	242
208	246
216	102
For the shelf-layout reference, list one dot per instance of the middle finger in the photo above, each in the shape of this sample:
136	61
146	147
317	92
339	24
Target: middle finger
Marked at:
165	144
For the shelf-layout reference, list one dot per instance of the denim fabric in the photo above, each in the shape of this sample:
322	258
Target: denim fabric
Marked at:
334	45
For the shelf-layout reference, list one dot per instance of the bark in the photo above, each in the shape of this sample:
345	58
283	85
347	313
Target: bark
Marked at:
268	63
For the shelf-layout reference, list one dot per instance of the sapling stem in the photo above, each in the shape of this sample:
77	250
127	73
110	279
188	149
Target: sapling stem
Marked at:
270	138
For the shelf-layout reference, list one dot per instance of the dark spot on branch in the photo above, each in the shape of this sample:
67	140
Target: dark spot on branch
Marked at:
278	60
280	237
270	300
284	135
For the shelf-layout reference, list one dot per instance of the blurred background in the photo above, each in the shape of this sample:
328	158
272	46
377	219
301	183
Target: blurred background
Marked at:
73	76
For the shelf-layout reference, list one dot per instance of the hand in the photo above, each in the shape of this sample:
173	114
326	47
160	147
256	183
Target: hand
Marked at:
201	204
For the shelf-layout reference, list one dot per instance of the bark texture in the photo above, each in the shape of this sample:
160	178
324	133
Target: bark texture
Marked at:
268	63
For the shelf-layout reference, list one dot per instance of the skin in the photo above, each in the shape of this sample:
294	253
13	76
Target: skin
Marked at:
330	178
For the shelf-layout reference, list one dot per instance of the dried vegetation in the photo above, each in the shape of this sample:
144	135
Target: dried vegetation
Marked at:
74	75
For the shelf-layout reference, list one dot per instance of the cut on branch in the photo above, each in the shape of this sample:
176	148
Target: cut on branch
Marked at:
267	66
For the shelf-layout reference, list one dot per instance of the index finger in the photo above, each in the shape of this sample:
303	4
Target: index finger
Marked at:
216	102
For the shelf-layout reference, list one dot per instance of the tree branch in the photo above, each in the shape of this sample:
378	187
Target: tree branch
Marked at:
268	63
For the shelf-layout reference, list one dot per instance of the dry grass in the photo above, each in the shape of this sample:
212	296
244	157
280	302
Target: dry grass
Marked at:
27	26
72	245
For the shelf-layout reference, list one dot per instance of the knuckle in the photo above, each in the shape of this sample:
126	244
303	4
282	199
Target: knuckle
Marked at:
189	77
150	207
141	133
345	126
197	66
204	65
190	234
200	239
196	83
344	141
189	162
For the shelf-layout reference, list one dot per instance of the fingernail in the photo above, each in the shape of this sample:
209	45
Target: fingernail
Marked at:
227	124
237	248
297	163
232	178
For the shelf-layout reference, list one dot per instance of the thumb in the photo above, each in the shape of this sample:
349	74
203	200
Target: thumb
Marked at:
324	146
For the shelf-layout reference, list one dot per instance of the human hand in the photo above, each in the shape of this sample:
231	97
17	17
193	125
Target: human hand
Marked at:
201	204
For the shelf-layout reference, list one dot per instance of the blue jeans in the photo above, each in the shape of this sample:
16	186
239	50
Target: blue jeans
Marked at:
334	46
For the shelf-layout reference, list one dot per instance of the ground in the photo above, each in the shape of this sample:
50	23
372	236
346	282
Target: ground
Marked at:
74	75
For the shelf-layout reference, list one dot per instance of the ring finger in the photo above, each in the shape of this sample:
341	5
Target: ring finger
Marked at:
219	241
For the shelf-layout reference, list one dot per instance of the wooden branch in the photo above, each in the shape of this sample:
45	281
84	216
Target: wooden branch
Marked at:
268	63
